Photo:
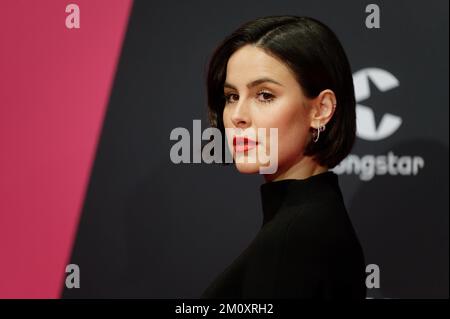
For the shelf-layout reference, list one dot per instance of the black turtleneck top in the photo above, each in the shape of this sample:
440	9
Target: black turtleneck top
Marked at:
306	247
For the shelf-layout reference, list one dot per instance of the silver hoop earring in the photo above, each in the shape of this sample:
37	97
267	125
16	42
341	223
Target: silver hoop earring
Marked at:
316	135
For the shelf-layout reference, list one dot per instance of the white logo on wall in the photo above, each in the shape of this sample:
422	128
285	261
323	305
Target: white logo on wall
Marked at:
365	118
367	166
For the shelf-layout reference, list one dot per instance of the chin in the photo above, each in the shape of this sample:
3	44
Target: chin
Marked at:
248	168
249	164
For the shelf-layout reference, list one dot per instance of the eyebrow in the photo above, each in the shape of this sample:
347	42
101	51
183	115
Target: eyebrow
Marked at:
253	83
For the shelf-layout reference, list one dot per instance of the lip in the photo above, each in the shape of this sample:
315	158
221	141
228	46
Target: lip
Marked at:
243	143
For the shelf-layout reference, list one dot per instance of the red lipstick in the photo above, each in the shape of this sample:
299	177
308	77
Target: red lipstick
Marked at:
242	143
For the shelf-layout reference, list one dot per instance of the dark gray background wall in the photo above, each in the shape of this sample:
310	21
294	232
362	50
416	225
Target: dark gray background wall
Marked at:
154	229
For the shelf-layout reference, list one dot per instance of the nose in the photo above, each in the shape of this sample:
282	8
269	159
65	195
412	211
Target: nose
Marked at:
240	116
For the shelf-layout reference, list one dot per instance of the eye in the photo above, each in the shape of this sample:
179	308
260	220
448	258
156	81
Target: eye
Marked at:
265	96
231	98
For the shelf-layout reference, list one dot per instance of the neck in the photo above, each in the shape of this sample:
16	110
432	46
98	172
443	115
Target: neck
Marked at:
303	167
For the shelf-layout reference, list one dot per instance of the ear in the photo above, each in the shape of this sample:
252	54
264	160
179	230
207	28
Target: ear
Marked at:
323	107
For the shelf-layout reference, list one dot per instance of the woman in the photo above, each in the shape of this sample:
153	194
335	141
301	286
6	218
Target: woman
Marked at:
292	74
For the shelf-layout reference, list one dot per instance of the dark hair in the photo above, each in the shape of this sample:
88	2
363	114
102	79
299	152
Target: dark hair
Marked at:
314	54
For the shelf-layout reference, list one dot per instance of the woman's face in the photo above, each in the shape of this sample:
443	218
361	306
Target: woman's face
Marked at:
261	92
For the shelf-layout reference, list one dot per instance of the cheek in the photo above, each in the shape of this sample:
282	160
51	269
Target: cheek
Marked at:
229	129
226	117
293	127
292	130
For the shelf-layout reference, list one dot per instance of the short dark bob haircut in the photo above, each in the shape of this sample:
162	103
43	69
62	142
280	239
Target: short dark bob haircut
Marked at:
313	52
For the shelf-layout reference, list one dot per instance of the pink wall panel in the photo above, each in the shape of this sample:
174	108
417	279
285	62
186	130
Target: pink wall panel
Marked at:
54	88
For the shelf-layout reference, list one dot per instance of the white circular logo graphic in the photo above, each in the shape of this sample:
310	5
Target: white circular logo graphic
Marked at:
365	119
